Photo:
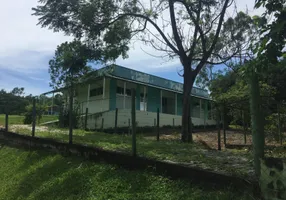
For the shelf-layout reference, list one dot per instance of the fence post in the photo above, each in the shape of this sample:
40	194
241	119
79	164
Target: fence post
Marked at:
128	126
174	123
218	133
115	123
224	126
158	124
34	117
244	127
279	123
71	116
6	121
85	119
133	119
102	124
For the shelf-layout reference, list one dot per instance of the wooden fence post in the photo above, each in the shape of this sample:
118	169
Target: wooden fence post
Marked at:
128	126
6	121
218	133
133	119
115	123
224	126
173	123
158	124
102	124
85	119
71	117
279	124
244	127
34	118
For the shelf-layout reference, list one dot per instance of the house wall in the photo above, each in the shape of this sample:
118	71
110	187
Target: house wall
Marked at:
107	103
97	103
143	118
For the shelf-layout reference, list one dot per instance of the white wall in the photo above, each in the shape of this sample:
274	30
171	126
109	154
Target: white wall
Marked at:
95	103
143	118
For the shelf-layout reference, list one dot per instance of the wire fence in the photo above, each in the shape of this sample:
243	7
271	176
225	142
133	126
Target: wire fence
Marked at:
222	137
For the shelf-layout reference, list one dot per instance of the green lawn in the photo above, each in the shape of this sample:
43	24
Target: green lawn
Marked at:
18	119
236	163
34	175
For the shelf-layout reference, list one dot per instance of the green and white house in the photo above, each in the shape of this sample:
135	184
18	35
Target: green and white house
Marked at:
111	88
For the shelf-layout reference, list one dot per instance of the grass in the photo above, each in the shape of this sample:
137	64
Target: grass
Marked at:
166	150
33	175
18	119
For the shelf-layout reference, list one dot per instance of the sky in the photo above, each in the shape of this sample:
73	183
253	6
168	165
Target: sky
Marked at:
25	49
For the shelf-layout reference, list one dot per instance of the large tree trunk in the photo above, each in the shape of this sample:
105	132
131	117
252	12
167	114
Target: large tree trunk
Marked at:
257	125
186	114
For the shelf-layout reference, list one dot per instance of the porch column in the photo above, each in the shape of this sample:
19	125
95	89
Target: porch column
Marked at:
161	95
88	94
200	108
103	87
176	104
52	109
103	93
124	106
144	100
206	111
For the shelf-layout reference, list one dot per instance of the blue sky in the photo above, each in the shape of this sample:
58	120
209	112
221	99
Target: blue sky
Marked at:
26	48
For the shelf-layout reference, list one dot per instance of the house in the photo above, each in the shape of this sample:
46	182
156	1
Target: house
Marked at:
110	90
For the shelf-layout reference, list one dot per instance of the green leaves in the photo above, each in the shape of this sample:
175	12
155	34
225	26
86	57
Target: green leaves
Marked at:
273	30
70	63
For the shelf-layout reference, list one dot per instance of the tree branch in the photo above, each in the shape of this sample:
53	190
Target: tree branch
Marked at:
208	53
175	30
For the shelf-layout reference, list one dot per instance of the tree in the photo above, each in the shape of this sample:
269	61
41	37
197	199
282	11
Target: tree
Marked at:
273	32
18	91
13	102
67	68
195	31
69	64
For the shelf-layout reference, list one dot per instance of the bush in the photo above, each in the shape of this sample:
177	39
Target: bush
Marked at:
271	126
64	117
28	116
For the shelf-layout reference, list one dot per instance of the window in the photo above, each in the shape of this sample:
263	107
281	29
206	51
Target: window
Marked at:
96	92
120	90
128	92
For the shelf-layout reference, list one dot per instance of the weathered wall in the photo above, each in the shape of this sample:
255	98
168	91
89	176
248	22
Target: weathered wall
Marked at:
143	118
273	179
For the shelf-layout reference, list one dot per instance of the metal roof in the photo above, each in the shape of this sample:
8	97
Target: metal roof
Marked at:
139	77
144	78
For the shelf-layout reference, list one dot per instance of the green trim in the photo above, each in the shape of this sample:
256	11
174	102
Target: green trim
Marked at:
153	99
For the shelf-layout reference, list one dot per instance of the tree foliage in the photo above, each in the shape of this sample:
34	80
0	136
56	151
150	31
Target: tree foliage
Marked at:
195	31
69	64
14	101
273	30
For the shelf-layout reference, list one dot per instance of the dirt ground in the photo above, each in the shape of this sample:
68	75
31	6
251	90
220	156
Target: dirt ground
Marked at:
210	138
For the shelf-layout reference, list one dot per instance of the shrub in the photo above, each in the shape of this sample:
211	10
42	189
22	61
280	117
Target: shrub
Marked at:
64	116
28	116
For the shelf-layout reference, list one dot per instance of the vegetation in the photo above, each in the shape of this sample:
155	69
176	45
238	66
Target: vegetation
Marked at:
39	111
196	32
19	119
168	150
14	102
41	175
